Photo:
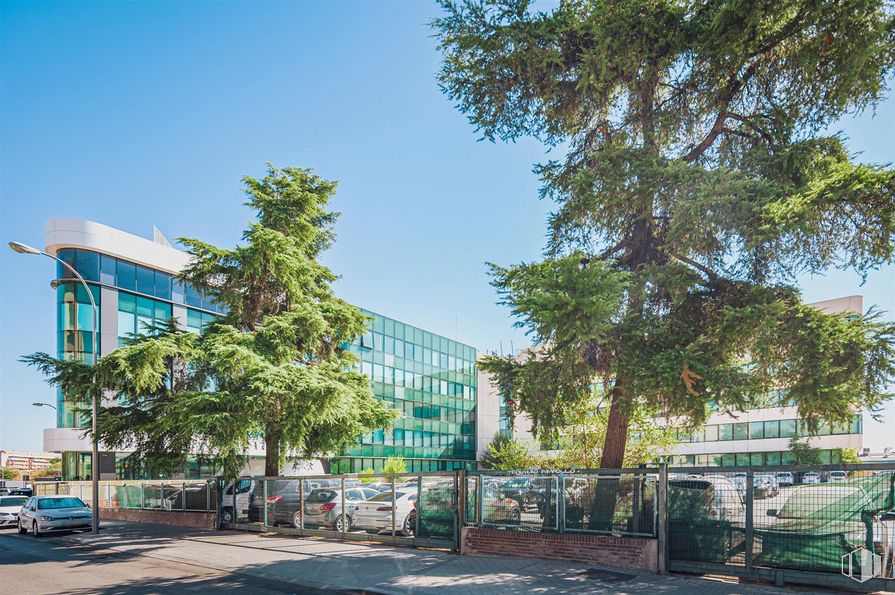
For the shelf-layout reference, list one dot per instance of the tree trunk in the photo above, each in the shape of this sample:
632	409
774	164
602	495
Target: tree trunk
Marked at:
271	454
605	496
613	456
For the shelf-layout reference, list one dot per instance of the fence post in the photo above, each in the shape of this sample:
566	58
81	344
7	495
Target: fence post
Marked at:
480	501
301	504
662	509
394	507
750	525
183	495
461	497
561	502
419	504
344	528
455	513
207	495
142	495
636	503
264	493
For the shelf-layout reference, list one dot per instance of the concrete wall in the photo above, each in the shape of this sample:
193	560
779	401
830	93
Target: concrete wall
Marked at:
603	550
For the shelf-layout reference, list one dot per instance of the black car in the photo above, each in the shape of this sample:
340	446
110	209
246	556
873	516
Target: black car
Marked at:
21	492
527	491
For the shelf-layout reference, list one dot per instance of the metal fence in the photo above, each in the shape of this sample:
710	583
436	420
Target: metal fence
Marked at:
412	509
804	524
608	502
170	495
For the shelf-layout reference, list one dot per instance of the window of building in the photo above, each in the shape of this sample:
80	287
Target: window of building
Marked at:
741	431
756	430
787	428
725	431
772	429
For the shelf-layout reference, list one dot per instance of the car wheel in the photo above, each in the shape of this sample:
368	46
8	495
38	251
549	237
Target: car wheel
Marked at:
339	525
22	530
514	517
35	530
296	519
227	516
408	527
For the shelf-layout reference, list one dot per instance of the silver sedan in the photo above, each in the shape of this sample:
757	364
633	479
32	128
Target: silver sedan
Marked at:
43	514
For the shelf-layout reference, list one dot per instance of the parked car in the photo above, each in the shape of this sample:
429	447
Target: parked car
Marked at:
527	491
43	514
706	517
375	515
829	521
238	498
764	486
498	509
838	476
9	510
25	491
323	507
711	497
810	477
283	504
785	478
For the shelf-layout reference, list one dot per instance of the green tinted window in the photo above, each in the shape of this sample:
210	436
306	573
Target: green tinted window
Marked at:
787	428
725	431
756	430
741	431
772	429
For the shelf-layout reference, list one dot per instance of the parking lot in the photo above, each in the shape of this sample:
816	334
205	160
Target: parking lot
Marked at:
144	558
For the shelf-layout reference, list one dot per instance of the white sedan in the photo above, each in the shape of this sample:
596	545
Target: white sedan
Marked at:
375	515
9	510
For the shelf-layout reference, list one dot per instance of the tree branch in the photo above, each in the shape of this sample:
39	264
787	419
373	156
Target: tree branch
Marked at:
712	275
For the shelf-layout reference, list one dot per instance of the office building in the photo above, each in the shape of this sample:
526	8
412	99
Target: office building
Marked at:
430	378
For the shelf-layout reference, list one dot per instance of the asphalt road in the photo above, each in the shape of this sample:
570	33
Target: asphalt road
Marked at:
49	565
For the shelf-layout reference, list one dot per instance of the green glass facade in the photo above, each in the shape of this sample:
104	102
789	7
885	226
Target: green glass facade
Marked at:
431	380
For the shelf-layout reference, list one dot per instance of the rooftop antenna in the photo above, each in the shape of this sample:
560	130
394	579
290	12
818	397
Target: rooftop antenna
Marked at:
501	348
512	351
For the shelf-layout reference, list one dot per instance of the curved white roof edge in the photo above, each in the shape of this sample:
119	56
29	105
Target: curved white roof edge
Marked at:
62	233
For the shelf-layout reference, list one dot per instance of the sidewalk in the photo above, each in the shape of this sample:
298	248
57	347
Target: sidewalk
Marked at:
369	568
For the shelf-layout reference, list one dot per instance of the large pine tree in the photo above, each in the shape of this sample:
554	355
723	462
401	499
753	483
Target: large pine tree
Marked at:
696	182
276	367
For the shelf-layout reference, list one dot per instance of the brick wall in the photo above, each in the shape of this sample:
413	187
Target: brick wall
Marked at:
196	520
601	550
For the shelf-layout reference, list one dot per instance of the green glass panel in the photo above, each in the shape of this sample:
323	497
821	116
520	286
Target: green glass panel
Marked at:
756	430
787	428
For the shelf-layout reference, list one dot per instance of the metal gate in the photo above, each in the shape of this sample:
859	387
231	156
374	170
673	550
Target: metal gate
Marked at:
786	524
419	509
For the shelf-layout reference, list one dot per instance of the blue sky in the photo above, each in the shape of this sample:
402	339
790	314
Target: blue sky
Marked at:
139	113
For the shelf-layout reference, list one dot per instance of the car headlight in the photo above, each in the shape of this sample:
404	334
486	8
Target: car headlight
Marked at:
44	518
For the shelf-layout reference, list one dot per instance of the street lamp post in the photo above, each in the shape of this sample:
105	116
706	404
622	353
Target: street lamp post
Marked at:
53	407
26	249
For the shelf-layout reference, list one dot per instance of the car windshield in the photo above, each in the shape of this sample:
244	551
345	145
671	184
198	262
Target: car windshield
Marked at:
7	501
824	503
321	496
68	502
515	482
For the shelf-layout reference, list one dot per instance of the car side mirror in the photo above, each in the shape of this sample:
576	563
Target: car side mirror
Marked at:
772	512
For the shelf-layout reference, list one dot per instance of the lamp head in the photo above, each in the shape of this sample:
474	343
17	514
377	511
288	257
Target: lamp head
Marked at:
23	248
